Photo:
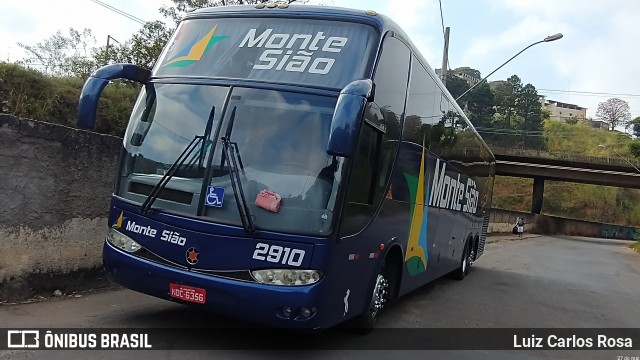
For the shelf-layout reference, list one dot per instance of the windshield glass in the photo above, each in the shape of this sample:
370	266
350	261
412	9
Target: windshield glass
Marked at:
279	140
296	51
281	143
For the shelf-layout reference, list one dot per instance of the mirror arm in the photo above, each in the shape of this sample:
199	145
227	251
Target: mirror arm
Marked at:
95	84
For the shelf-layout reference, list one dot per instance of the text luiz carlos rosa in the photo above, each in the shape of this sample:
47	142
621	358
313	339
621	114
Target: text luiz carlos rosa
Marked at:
554	341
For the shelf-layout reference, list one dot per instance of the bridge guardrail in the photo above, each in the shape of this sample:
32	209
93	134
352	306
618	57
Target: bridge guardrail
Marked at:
563	156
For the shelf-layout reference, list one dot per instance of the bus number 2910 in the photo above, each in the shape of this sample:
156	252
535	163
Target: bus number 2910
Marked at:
278	254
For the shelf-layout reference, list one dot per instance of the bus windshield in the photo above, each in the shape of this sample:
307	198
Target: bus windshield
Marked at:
296	51
279	139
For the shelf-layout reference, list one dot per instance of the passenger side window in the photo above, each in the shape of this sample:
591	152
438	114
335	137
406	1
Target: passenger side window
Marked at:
424	107
379	137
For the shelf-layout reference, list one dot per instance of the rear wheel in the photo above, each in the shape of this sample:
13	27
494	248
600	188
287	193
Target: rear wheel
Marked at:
366	322
465	263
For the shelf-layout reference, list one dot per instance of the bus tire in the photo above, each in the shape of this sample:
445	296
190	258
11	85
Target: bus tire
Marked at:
380	294
463	270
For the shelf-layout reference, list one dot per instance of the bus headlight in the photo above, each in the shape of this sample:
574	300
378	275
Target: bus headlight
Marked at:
122	241
287	277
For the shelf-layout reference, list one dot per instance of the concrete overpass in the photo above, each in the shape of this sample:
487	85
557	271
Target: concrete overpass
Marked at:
541	166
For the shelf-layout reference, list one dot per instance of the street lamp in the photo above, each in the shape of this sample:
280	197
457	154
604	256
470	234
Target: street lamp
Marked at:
547	39
617	153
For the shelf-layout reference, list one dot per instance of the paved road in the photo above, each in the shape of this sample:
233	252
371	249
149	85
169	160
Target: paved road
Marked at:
534	282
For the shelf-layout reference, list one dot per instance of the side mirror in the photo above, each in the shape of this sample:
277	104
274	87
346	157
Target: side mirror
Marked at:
347	117
88	105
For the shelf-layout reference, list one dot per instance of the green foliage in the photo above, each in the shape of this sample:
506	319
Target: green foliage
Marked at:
456	86
30	94
635	126
510	115
572	120
480	106
145	46
634	149
512	193
582	139
63	55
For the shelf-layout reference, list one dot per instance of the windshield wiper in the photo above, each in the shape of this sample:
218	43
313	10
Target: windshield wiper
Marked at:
231	154
199	156
153	195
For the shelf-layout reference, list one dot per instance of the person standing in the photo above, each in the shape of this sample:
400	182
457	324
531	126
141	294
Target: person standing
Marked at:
520	226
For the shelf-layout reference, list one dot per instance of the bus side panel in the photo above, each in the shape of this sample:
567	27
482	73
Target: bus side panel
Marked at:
426	242
356	259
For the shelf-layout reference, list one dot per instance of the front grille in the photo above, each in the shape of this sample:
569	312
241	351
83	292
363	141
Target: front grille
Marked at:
243	275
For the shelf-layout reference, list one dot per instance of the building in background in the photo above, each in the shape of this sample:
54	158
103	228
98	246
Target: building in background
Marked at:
561	111
471	80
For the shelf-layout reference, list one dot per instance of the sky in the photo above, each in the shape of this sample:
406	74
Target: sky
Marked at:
598	53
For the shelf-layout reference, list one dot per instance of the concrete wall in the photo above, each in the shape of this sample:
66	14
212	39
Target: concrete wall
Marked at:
55	185
502	221
547	224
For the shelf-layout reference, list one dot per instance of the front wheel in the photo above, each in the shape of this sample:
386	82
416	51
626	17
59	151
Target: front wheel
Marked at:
366	322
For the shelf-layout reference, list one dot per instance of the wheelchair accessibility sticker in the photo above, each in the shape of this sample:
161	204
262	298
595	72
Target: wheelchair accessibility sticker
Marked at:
215	196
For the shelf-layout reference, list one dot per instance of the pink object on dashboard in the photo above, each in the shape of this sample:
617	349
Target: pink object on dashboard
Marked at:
268	200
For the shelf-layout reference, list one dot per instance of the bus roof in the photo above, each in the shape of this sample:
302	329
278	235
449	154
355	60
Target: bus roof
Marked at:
372	18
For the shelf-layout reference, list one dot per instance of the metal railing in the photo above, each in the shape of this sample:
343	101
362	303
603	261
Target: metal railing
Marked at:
543	154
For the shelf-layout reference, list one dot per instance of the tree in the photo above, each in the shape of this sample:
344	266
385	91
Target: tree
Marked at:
456	87
615	112
634	149
147	44
480	106
635	123
518	108
62	55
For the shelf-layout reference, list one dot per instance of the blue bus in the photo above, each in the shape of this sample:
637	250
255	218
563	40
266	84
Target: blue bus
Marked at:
294	166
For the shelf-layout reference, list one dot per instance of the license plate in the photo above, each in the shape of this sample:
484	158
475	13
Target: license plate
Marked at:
188	293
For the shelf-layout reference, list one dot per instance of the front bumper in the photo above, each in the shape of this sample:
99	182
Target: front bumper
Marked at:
255	302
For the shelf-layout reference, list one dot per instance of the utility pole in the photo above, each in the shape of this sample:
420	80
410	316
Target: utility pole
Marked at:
445	57
106	61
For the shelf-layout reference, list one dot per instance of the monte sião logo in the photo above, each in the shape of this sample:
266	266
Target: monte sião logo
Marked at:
311	53
195	50
118	223
453	192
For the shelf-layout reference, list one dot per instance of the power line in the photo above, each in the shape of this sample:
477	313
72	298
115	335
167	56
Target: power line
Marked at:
118	11
587	93
441	17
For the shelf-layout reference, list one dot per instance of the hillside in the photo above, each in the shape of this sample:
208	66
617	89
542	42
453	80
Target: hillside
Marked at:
581	201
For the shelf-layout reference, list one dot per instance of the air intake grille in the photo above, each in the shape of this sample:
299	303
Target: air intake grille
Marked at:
166	194
483	236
